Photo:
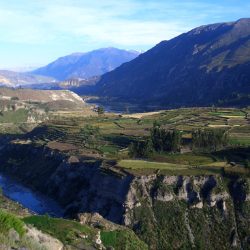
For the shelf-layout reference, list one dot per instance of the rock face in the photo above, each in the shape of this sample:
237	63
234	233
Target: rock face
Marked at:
167	212
187	211
198	68
78	186
43	240
97	221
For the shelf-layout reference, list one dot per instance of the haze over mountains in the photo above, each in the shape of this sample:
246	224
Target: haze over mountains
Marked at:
205	66
15	79
86	65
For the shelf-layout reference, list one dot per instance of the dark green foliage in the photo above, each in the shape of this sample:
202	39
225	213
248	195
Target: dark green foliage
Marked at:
100	110
211	228
209	139
14	98
141	149
9	221
146	228
164	140
122	239
90	133
160	140
175	225
89	130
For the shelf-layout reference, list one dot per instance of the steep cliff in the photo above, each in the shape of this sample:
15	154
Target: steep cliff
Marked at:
166	212
79	187
184	212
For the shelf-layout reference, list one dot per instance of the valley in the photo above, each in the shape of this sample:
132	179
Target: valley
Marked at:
141	147
82	161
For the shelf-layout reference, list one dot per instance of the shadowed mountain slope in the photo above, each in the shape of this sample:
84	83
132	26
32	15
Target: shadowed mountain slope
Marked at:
208	65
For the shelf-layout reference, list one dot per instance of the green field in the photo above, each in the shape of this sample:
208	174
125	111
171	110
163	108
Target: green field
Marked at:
18	116
140	164
108	136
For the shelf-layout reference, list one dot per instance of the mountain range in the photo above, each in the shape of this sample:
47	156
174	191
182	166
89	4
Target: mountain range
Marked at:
205	66
86	65
208	65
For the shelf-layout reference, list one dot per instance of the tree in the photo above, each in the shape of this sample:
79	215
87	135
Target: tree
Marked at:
164	140
140	149
100	110
160	140
209	139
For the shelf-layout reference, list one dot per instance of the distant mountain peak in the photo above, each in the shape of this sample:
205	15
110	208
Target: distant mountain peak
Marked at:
88	64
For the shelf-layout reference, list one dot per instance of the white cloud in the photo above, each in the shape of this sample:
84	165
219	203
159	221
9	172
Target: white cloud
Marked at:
129	22
109	22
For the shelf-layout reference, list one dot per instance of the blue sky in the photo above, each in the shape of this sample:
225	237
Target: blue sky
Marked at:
35	32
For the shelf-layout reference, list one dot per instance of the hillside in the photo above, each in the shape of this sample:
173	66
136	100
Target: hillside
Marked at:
208	65
42	96
15	79
192	199
24	109
86	65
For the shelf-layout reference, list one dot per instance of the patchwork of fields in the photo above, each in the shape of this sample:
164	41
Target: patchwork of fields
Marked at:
86	135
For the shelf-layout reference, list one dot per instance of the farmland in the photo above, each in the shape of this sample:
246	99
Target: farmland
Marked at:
85	134
76	152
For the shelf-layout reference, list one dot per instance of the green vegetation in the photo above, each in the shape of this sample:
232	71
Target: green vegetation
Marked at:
176	224
17	116
141	149
8	221
183	142
67	231
164	140
100	110
160	140
74	234
122	239
192	159
209	139
116	137
139	164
